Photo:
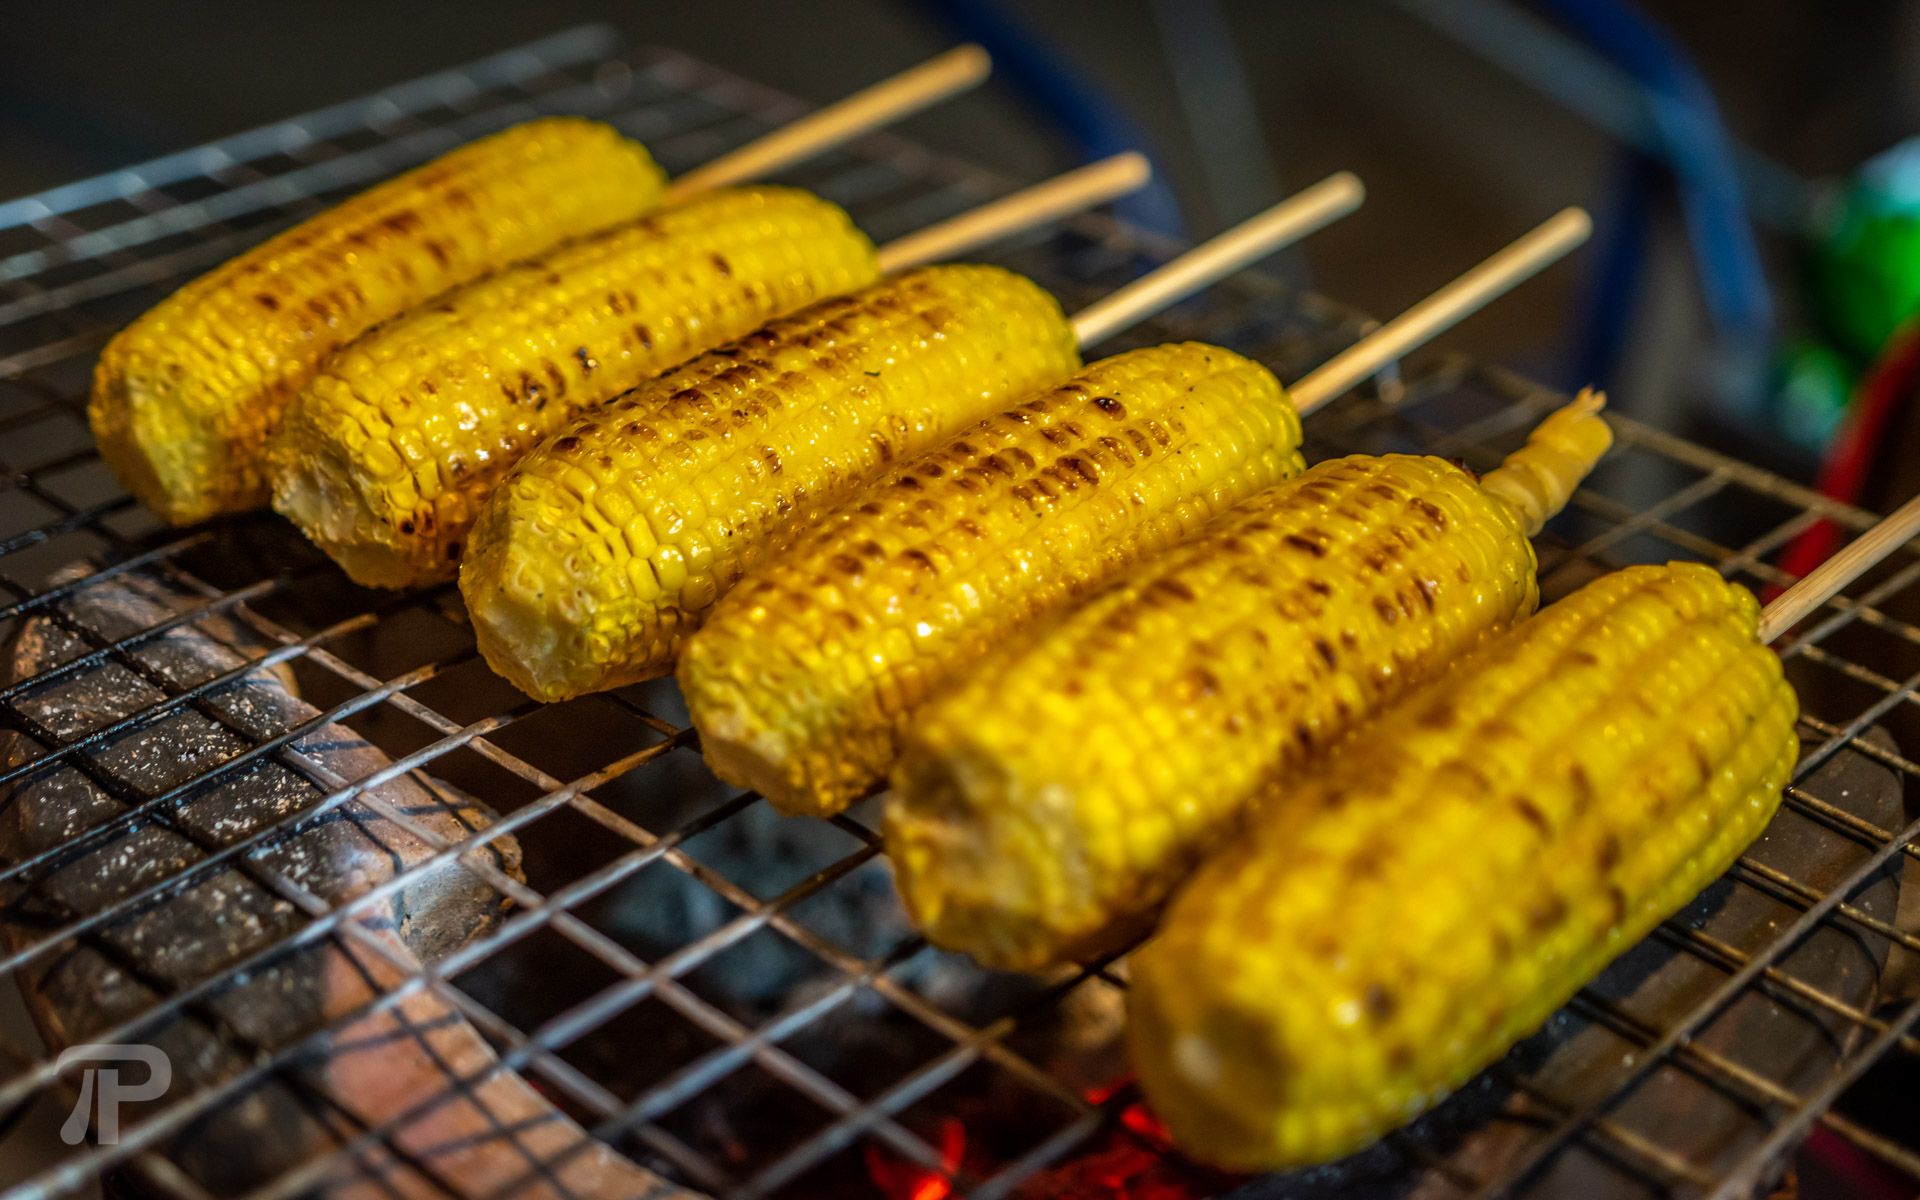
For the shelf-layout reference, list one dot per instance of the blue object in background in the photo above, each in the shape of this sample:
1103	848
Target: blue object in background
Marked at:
1089	118
1699	153
1604	324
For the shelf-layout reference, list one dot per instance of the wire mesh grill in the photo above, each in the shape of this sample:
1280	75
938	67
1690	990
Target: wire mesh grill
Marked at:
736	1002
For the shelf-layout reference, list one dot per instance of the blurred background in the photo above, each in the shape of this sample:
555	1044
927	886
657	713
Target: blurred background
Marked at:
1752	283
1757	247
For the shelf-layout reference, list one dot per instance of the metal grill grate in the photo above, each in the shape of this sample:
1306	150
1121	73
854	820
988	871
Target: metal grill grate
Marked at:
736	1002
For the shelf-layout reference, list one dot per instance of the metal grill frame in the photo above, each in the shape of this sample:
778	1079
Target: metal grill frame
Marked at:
77	260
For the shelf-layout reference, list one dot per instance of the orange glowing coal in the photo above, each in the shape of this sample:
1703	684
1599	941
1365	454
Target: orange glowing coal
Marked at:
1131	1159
903	1179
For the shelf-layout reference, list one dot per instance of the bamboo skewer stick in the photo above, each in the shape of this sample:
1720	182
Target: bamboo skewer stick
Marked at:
1792	606
1287	222
1076	191
1446	308
1281	225
863	112
1219	256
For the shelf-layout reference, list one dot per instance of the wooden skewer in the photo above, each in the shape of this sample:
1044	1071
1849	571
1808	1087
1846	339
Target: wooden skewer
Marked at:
1251	240
1248	242
1063	195
871	108
1444	309
1792	606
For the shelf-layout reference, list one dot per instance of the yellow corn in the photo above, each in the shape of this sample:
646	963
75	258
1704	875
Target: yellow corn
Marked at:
186	396
605	548
1045	806
1394	922
803	676
386	456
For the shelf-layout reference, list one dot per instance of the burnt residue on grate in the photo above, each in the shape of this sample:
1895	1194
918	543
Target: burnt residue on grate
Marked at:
108	932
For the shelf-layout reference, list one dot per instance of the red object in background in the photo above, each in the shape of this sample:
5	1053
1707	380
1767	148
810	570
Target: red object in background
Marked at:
1859	1173
1892	379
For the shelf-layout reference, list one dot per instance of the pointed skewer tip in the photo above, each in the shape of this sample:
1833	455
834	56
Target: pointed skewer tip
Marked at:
1579	221
969	59
1347	184
1130	168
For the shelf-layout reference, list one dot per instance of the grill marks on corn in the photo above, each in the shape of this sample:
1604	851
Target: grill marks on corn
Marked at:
380	249
968	544
715	463
1519	801
512	358
1306	608
213	366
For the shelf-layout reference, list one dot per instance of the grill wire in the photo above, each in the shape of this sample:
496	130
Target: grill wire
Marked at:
615	772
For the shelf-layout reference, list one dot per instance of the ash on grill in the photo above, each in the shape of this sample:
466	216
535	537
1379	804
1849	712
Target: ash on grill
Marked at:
111	847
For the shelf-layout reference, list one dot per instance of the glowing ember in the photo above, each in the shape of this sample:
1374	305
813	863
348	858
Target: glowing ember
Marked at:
1131	1159
903	1179
1136	1116
1135	1161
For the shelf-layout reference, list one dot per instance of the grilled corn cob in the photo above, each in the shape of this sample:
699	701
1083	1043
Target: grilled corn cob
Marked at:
385	457
803	675
1397	920
605	548
186	396
1044	808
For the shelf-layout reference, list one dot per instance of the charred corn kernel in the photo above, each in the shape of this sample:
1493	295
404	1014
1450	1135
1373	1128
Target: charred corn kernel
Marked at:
606	547
802	677
1394	922
186	396
386	456
1044	807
